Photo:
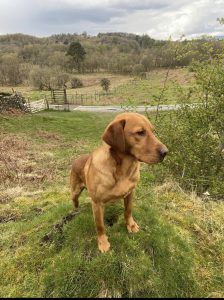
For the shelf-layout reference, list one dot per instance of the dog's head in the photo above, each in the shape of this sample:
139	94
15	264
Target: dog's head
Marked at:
132	134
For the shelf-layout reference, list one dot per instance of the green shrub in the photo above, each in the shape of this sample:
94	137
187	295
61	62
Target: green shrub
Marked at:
194	135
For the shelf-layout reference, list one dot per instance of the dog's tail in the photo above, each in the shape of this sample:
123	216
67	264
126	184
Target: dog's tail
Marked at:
77	178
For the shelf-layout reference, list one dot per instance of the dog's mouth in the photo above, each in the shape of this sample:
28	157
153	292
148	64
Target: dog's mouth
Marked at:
151	160
161	159
151	157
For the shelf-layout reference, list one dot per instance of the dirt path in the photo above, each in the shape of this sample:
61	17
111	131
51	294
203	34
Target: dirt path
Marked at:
114	108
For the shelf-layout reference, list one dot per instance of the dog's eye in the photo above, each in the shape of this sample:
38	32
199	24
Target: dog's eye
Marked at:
141	132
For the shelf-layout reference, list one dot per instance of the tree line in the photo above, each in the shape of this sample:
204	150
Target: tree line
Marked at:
59	58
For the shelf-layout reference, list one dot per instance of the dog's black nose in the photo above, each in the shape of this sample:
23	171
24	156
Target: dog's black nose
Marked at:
163	152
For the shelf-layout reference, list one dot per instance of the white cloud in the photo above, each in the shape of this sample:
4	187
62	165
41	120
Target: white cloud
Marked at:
158	18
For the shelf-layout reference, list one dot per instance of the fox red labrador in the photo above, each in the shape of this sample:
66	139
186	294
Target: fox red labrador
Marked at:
112	171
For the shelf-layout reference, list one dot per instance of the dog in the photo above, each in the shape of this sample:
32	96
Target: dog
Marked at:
112	171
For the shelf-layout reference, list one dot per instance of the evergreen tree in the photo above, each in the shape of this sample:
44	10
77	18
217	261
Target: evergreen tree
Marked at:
77	52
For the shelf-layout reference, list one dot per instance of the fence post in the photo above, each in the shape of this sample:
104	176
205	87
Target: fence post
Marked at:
65	97
46	102
53	95
28	101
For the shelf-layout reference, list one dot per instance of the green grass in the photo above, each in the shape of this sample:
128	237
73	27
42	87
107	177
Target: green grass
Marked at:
148	91
178	252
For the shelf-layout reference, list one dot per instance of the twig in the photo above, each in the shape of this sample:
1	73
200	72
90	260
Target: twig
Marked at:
164	86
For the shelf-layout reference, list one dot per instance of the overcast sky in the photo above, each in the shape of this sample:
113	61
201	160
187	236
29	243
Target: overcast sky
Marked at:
158	18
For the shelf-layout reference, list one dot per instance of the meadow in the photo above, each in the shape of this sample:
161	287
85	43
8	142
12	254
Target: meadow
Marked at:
124	90
48	250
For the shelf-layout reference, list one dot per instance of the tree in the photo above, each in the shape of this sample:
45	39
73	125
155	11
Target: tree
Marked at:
10	70
105	83
48	78
40	78
78	53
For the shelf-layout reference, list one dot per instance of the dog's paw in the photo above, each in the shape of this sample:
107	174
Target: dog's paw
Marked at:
133	227
103	244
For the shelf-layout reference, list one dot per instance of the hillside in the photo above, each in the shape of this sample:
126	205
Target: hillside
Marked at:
118	53
47	250
106	38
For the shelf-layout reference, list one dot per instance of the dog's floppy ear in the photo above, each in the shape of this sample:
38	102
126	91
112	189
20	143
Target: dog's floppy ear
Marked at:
114	135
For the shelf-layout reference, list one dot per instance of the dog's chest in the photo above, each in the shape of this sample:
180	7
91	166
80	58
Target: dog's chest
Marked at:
126	179
127	173
107	180
125	186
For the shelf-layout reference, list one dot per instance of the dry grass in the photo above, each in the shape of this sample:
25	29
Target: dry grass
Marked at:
24	164
91	85
123	89
92	81
181	76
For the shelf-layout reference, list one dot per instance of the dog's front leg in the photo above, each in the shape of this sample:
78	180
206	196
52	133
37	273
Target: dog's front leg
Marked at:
132	226
98	213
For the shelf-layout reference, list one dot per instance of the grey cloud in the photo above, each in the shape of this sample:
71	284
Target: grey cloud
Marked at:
71	16
141	5
159	18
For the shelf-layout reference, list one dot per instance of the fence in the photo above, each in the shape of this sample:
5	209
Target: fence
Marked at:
64	97
59	96
89	99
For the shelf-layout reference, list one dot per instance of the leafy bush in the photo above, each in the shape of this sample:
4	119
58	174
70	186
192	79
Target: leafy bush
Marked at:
40	78
48	78
194	135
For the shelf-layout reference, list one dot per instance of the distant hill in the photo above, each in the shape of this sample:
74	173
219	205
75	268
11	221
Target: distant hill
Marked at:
133	40
18	39
114	52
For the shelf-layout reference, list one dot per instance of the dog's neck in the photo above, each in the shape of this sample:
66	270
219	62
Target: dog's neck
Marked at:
119	157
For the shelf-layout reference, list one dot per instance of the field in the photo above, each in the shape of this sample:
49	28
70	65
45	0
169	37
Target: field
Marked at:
48	250
124	90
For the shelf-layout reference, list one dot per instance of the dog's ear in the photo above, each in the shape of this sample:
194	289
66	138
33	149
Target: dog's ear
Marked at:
114	135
